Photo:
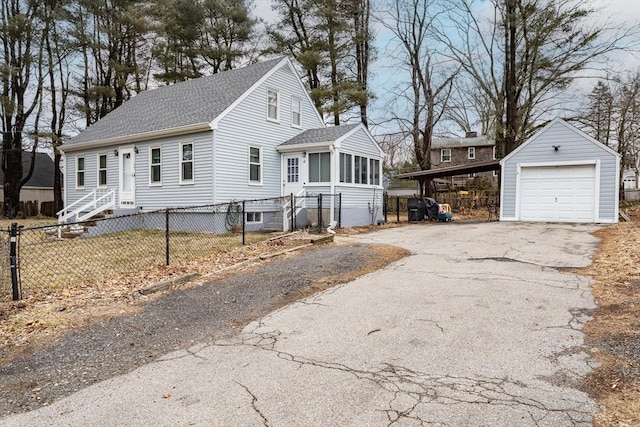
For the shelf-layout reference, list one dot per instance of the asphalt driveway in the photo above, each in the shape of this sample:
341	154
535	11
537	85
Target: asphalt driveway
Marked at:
480	326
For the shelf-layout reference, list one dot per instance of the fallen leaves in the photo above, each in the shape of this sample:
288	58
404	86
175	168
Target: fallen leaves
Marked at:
614	334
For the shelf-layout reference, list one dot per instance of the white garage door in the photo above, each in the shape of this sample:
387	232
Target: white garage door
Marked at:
558	193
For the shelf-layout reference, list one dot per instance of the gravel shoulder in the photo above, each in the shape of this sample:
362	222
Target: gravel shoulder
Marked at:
176	319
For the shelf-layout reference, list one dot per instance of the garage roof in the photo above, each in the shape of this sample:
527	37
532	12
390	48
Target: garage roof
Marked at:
489	165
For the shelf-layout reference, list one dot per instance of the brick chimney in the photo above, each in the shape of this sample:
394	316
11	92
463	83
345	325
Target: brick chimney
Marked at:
471	134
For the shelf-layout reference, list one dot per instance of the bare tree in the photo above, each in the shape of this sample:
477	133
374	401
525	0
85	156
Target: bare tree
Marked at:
21	81
523	55
430	79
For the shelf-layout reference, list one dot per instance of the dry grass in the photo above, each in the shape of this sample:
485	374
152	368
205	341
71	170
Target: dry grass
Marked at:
49	265
613	335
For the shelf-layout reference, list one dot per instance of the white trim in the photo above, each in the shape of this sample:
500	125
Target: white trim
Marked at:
596	184
555	121
139	137
361	126
191	181
260	164
296	99
277	118
285	61
106	169
64	178
442	160
246	219
121	152
151	182
84	172
469	150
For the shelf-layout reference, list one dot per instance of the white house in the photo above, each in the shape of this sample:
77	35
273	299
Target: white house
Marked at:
560	175
247	133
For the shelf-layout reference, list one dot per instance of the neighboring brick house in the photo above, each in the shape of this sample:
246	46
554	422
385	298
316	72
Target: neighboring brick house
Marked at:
446	152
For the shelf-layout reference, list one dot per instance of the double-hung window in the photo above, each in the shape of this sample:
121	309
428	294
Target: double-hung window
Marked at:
445	155
186	163
102	170
471	153
79	172
374	172
319	167
255	165
155	166
345	167
273	105
296	112
360	170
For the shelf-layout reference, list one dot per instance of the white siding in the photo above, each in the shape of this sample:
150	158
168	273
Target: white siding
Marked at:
360	144
170	193
247	125
90	172
574	148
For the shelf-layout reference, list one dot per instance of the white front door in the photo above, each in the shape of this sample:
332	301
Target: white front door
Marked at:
127	178
293	174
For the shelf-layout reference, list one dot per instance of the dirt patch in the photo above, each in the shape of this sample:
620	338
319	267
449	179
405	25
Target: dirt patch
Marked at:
86	351
613	335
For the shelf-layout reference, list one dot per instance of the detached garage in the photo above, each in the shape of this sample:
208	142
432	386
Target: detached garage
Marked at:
560	175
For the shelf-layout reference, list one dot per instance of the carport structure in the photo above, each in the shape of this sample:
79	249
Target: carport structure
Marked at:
423	176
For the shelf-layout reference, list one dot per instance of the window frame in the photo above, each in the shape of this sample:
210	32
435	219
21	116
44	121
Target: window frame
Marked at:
471	153
259	164
442	155
374	171
275	119
291	172
253	215
296	100
360	170
184	181
346	170
320	154
100	170
153	183
81	171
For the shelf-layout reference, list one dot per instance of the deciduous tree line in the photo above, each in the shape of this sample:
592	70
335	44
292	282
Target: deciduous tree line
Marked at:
67	63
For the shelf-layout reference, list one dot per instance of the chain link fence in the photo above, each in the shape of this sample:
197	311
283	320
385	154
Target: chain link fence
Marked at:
52	257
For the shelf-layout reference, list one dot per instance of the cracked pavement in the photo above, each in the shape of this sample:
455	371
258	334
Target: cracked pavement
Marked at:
480	326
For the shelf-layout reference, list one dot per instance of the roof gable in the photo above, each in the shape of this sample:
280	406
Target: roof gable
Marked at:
320	135
559	122
186	103
43	171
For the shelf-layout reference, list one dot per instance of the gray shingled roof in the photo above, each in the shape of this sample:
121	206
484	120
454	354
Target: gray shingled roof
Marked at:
42	172
320	135
186	103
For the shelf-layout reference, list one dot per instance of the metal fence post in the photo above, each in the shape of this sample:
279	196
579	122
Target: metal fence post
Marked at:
166	235
13	261
293	211
320	213
385	199
243	223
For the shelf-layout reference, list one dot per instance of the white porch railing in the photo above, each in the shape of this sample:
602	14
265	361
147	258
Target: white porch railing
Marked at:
99	200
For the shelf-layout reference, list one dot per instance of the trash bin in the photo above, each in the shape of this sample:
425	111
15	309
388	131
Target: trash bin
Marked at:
415	209
431	208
